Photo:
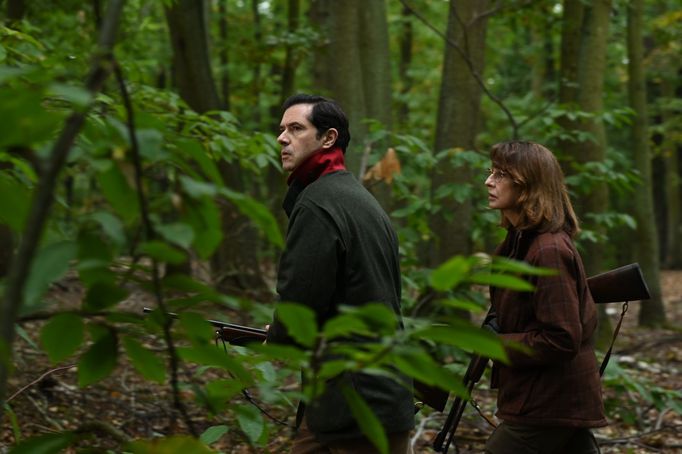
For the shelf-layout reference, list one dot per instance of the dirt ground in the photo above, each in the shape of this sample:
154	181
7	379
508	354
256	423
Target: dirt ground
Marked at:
125	407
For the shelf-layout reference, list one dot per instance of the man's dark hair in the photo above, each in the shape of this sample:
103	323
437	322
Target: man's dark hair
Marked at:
326	114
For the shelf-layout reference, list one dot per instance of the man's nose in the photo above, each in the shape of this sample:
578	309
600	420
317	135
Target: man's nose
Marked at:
282	138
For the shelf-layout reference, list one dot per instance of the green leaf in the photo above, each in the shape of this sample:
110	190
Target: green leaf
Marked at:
78	96
169	445
147	363
299	320
111	226
212	356
458	303
61	336
49	265
150	143
196	327
280	352
502	280
119	194
450	274
15	200
197	189
250	421
99	361
25	120
419	365
45	444
213	434
258	213
162	252
518	267
102	295
196	151
204	217
177	233
344	324
220	392
466	337
368	422
380	318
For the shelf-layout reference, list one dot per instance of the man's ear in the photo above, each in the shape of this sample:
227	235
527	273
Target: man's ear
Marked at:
330	137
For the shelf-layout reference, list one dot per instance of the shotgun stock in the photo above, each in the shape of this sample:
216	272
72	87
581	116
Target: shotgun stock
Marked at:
621	284
230	333
618	285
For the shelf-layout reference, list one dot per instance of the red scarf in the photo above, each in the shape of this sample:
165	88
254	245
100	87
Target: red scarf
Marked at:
319	163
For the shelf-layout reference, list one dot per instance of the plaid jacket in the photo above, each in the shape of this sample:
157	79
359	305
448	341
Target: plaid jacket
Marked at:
557	382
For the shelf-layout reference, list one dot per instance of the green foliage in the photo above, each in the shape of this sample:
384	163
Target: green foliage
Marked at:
627	385
213	434
169	445
45	444
369	424
53	339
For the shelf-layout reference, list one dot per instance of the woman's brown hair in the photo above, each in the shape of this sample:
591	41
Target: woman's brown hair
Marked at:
544	204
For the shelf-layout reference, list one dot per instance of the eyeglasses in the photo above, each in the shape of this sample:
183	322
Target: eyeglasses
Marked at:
497	174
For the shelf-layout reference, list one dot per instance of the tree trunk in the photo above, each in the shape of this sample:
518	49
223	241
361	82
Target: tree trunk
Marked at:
290	62
257	83
16	9
652	313
337	67
223	55
235	263
191	60
404	78
456	127
592	66
568	73
353	66
673	197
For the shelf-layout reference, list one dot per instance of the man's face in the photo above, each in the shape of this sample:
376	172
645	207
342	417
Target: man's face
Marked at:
298	136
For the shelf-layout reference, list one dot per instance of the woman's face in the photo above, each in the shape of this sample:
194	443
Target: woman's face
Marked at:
503	193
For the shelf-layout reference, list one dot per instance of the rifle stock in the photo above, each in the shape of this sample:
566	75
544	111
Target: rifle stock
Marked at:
230	333
621	284
625	283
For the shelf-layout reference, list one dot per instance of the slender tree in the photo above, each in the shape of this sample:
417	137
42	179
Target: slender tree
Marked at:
652	313
406	43
673	172
235	263
223	54
191	58
290	60
457	124
353	64
591	69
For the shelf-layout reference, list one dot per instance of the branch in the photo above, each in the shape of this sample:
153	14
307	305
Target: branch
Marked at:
39	379
468	62
149	233
44	194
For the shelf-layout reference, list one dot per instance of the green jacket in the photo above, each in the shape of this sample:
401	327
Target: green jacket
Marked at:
342	250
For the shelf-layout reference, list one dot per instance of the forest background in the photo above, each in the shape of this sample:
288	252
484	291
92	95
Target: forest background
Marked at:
139	167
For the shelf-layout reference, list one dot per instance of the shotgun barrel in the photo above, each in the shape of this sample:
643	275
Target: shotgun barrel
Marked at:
231	333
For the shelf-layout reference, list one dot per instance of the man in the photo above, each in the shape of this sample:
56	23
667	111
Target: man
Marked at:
340	250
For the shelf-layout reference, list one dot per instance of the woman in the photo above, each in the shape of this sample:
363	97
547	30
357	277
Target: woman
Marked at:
549	394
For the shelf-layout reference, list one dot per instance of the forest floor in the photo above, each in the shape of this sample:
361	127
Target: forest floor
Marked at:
124	406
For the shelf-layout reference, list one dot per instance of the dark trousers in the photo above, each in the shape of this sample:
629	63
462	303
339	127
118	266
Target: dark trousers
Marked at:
306	443
518	439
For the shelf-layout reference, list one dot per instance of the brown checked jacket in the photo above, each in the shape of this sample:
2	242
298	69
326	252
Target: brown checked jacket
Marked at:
555	382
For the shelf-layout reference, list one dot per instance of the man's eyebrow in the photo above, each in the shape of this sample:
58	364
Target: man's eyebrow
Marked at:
293	123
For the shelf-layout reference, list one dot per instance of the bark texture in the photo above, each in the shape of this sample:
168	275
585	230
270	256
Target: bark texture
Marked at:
652	313
456	127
